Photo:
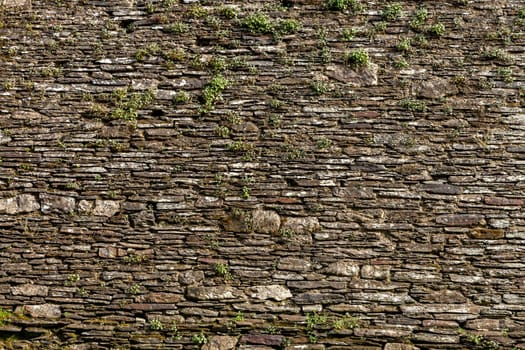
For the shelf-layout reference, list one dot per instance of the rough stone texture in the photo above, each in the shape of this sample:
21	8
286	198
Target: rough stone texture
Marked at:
145	202
47	311
275	292
266	221
220	342
30	290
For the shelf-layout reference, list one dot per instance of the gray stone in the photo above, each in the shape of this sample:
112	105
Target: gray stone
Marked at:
53	203
220	342
106	207
343	268
30	290
359	77
214	293
50	311
191	277
266	221
460	219
435	88
274	291
144	218
301	225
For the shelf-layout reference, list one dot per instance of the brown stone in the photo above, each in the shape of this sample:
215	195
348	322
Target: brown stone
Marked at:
301	225
358	77
160	297
503	201
220	342
262	339
486	233
435	88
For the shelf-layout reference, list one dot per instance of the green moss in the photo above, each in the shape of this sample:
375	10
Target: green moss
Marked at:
392	11
342	5
5	316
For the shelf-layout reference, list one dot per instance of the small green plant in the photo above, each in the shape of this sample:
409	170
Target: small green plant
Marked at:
392	11
177	28
239	317
245	192
199	339
345	322
287	26
323	142
197	11
135	259
222	131
5	316
506	74
156	325
496	54
223	270
73	278
182	97
413	105
343	5
436	30
419	19
286	233
348	34
357	58
135	288
229	12
258	23
314	319
319	87
213	90
404	46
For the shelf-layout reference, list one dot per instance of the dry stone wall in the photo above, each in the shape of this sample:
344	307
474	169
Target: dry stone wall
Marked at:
262	175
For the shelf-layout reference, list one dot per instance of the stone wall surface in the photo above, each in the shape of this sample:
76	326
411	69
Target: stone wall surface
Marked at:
257	175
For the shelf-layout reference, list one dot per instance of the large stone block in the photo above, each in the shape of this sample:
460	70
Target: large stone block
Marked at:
266	221
274	291
30	290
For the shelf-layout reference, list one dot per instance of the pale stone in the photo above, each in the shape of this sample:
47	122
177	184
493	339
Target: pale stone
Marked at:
266	221
43	311
300	225
435	88
399	346
23	203
343	268
84	206
354	77
274	291
375	272
30	290
52	203
106	207
213	293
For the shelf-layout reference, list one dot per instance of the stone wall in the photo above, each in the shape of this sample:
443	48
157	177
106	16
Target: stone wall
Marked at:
262	175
